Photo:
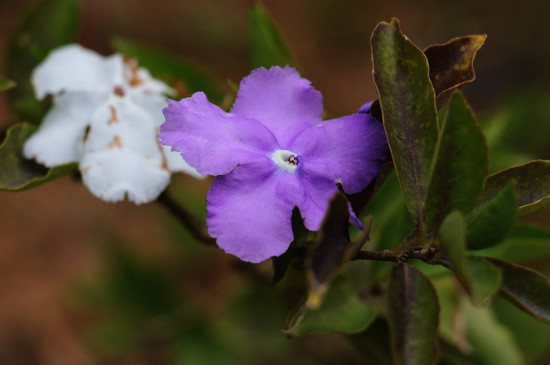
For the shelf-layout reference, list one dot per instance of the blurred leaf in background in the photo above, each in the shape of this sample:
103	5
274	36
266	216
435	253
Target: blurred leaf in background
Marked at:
48	25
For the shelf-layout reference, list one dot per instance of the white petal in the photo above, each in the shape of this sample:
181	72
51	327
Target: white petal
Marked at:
74	68
121	156
152	105
58	139
176	163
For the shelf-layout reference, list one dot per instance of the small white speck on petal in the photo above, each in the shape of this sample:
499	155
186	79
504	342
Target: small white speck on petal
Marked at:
123	159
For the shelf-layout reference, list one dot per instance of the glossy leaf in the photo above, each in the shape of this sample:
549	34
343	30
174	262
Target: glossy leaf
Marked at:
333	249
460	164
452	64
413	316
407	101
5	83
18	173
526	288
341	311
532	185
266	45
169	67
490	223
50	24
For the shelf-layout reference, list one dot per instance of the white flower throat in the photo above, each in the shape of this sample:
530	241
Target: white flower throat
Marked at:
285	160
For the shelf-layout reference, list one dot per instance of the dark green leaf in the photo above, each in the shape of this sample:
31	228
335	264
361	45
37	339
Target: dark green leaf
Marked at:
333	249
490	223
266	45
18	173
532	185
170	67
460	164
341	311
360	200
407	100
50	24
374	342
452	64
5	83
526	288
413	316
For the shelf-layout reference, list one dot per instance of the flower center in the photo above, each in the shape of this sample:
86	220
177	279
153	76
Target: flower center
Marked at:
285	160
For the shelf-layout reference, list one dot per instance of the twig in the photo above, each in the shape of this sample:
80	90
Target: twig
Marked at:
193	225
400	256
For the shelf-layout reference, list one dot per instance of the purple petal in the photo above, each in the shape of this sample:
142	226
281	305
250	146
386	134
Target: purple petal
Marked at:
279	98
318	189
211	140
349	150
250	210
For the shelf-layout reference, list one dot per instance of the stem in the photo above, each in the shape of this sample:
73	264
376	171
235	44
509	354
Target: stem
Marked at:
193	225
387	255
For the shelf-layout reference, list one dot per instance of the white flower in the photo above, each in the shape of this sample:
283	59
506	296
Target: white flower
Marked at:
106	116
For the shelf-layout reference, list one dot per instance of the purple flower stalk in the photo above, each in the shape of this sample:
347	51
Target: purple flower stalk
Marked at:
272	152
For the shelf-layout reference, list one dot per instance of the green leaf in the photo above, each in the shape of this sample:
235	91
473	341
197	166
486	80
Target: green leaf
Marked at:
486	279
266	45
413	316
519	323
407	101
18	173
492	343
480	279
5	83
332	251
452	235
341	311
390	226
525	242
490	223
532	185
167	66
526	288
49	25
460	164
452	64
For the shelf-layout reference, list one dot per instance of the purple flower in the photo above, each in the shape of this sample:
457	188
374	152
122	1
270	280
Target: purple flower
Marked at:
272	152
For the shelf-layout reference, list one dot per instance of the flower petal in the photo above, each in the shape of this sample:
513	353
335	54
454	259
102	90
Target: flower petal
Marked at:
211	140
59	137
121	155
279	98
176	163
317	190
74	68
349	150
248	214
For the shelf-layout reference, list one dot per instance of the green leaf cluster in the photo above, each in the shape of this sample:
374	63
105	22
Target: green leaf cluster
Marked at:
442	207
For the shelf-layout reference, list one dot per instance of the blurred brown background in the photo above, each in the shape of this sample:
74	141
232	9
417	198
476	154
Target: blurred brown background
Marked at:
51	237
